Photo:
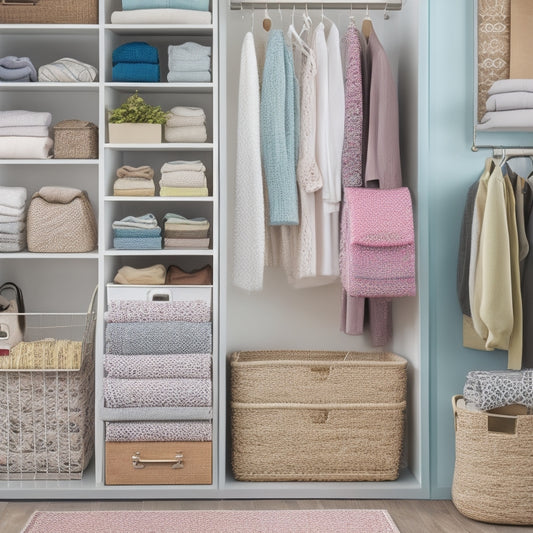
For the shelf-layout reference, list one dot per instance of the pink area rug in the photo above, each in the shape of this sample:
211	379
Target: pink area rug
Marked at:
301	521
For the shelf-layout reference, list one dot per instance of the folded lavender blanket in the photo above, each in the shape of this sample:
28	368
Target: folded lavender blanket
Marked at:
138	338
140	311
155	413
182	431
158	366
157	392
19	69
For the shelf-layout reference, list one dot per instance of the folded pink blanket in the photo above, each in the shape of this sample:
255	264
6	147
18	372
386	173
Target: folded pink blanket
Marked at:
381	262
140	311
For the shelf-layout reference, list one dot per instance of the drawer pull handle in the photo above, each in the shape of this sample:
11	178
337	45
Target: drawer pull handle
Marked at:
18	2
137	462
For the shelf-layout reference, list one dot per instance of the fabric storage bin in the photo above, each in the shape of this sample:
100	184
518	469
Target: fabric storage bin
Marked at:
493	479
158	463
318	377
61	220
158	293
75	139
49	12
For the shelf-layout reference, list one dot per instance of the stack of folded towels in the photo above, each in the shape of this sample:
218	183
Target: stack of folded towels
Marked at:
17	69
67	70
136	61
134	181
181	232
183	178
137	233
157	384
25	135
12	219
185	125
159	275
189	62
509	106
163	12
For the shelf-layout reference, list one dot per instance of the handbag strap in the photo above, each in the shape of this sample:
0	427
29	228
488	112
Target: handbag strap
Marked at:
9	286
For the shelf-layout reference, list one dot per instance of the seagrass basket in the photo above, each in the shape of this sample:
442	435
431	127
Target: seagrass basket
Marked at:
75	139
49	12
493	476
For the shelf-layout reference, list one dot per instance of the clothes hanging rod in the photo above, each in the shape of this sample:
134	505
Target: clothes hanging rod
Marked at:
392	5
512	152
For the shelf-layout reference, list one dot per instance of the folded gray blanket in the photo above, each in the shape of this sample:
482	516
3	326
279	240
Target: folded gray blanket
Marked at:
20	117
14	68
155	413
138	338
153	431
25	131
158	366
139	311
157	392
491	389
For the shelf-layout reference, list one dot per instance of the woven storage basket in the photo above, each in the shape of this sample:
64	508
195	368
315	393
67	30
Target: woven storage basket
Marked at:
75	139
47	417
318	377
50	12
493	477
328	442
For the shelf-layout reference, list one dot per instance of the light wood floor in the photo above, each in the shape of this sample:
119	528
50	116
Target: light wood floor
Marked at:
411	516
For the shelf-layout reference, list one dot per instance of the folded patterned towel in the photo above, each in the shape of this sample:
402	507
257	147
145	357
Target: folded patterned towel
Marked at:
186	234
176	121
180	244
516	119
127	171
141	72
183	191
141	311
12	227
138	338
14	197
153	431
67	69
178	76
144	221
25	131
157	392
188	134
14	68
156	413
152	275
20	117
136	232
158	366
136	184
161	16
15	147
187	111
135	52
172	166
197	5
137	243
188	178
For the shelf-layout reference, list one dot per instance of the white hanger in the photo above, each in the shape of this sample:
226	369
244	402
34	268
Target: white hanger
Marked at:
308	22
386	15
325	17
294	37
367	28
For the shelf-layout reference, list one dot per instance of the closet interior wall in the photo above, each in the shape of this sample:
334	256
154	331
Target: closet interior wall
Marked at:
283	318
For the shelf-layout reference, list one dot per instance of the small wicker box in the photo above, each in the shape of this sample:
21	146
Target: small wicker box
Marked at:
493	480
75	139
50	12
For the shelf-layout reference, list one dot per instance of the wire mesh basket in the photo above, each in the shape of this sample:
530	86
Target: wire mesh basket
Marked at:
47	398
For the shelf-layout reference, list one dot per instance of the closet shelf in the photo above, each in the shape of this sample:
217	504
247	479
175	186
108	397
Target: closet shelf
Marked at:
155	253
48	86
160	29
49	161
191	147
32	29
161	87
33	255
158	198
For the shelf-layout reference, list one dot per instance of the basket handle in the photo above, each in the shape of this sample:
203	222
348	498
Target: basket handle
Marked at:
455	399
159	295
92	303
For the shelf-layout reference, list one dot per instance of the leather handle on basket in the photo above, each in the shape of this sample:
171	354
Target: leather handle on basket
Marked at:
455	399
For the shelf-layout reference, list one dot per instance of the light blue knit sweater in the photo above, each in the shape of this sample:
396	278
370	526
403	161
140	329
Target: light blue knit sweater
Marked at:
280	121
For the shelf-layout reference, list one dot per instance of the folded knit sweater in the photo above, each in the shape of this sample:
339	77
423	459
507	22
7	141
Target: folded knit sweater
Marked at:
135	52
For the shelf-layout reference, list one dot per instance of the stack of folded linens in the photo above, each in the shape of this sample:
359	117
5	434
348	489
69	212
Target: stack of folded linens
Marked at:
17	69
67	70
134	181
137	233
185	125
183	178
25	135
163	12
181	232
189	62
136	62
12	219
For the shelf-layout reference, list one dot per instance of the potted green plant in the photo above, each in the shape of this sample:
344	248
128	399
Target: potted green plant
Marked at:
137	122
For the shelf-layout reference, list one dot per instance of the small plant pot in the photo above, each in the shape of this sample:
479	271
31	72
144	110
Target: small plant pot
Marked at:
132	133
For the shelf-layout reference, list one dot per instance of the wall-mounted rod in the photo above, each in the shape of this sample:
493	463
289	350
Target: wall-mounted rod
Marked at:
512	152
392	5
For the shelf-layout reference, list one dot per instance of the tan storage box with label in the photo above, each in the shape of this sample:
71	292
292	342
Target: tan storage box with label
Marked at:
158	463
49	12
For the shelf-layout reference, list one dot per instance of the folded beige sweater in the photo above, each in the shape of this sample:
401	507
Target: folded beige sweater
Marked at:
152	275
144	171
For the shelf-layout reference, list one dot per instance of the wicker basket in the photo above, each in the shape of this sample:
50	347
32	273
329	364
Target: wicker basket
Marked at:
318	377
75	139
50	12
493	477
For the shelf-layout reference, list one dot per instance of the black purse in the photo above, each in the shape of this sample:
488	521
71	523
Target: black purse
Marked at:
12	324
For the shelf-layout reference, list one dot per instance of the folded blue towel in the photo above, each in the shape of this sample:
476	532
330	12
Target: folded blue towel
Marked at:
17	69
138	243
141	72
135	52
195	5
131	233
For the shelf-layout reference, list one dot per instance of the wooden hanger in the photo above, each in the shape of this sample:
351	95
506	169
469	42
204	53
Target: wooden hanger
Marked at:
367	28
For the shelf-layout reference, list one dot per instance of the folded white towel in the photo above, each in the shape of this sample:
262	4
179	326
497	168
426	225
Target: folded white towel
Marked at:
144	222
13	219
175	121
67	70
161	16
184	111
20	117
12	227
187	134
25	147
133	183
25	131
17	238
171	166
510	86
516	120
14	197
187	178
